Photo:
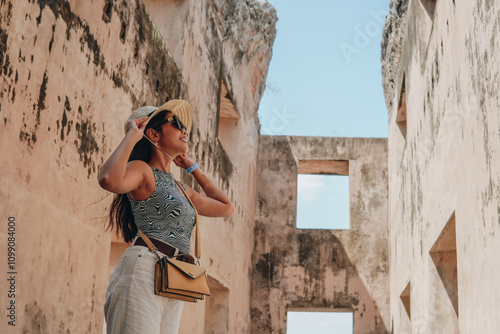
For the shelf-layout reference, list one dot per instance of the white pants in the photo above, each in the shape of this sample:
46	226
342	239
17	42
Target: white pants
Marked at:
131	306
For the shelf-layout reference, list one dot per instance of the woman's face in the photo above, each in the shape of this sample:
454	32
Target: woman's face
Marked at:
173	140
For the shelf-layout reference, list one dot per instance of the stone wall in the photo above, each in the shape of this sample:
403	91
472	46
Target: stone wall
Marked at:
321	270
392	39
224	44
69	78
72	71
444	180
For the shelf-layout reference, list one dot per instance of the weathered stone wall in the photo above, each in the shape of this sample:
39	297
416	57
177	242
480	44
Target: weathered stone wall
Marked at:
72	71
328	270
392	39
226	42
69	77
446	167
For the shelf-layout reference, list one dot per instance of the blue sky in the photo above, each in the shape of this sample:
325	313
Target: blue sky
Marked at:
325	74
324	323
317	192
325	80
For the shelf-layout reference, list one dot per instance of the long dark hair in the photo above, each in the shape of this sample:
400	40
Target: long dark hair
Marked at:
121	218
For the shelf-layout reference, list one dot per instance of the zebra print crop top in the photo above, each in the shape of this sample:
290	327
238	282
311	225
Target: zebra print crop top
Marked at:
167	214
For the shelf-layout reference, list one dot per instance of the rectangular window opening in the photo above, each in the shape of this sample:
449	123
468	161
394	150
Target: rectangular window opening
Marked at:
217	308
228	121
323	194
319	322
444	255
405	298
401	115
430	6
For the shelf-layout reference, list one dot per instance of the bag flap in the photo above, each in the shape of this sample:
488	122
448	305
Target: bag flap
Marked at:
190	270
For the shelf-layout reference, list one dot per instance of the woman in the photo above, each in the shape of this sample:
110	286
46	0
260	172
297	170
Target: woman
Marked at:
149	199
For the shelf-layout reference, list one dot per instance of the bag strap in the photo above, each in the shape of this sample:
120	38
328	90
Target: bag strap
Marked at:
146	239
153	248
197	248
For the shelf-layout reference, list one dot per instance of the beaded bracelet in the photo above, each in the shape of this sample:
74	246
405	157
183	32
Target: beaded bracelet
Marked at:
192	168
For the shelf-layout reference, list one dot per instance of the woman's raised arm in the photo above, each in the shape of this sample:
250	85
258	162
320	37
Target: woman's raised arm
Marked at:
214	203
117	175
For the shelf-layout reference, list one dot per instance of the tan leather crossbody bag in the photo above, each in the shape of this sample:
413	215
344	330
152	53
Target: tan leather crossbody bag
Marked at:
176	279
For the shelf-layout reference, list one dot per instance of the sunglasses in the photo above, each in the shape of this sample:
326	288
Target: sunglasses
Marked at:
176	122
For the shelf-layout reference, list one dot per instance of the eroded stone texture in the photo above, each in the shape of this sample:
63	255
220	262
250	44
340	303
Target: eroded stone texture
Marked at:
392	39
207	57
326	270
72	71
446	166
68	82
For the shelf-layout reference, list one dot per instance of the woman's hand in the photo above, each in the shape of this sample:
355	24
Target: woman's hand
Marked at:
136	127
183	161
215	202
